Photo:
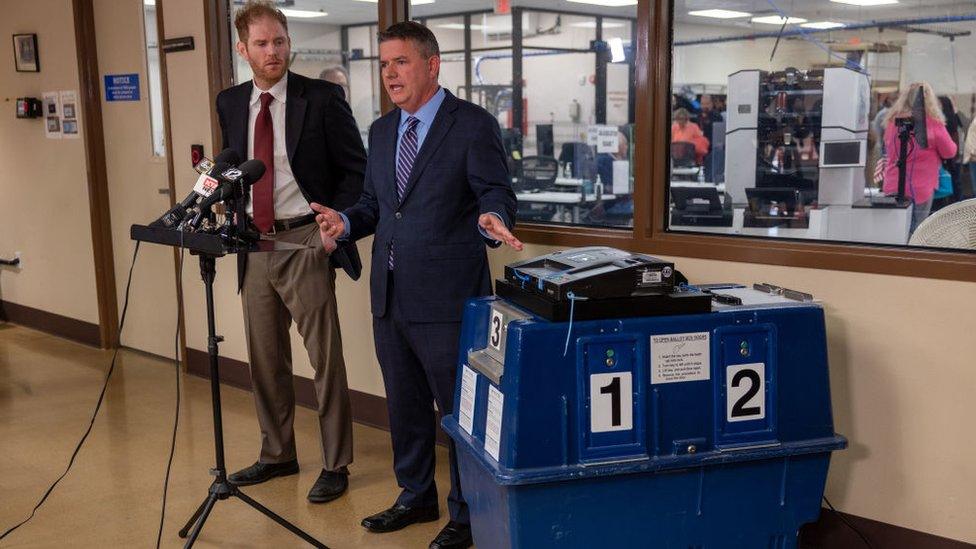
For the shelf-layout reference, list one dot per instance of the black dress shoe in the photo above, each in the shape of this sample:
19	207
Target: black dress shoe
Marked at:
329	486
454	536
399	516
261	472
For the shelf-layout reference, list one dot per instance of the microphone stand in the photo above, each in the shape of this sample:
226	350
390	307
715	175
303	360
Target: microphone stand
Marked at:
209	246
221	488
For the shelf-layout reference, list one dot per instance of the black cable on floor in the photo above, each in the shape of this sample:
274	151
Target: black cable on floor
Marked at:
176	419
848	523
98	404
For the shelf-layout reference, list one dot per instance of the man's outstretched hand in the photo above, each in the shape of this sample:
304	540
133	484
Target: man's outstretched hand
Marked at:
494	227
330	224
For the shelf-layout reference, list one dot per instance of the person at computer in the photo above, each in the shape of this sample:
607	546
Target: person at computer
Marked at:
683	130
922	165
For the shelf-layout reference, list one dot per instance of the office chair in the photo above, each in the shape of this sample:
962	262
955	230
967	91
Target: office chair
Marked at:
683	154
538	173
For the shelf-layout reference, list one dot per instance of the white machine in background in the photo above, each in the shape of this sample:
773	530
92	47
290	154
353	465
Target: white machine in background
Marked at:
741	133
835	105
843	136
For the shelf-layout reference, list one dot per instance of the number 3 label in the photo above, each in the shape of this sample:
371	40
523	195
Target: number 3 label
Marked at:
745	390
611	402
495	330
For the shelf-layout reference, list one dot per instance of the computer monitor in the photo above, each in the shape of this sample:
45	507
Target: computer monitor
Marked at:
773	202
544	140
581	156
699	206
844	154
697	199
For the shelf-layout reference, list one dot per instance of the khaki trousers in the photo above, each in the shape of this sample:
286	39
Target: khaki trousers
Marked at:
300	285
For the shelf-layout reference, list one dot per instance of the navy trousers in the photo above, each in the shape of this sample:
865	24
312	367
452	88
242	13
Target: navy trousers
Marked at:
419	365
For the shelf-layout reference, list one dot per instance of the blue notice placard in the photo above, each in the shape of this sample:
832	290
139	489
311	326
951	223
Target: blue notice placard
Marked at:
121	87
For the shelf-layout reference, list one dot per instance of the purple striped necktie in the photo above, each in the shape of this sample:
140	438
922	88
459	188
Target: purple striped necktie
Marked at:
409	145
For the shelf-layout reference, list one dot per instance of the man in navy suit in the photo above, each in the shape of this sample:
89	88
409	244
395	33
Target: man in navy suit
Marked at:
436	191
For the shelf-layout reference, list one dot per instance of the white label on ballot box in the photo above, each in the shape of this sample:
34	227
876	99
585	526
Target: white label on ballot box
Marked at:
680	357
745	392
611	402
493	423
650	277
469	394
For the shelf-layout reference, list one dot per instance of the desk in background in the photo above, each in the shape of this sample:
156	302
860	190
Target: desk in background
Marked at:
563	201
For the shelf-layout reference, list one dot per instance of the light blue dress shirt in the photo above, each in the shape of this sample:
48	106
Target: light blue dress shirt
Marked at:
425	114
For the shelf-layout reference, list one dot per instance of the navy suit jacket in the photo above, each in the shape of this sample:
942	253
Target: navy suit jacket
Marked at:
323	143
460	172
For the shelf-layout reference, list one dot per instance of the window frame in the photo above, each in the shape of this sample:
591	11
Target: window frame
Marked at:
650	235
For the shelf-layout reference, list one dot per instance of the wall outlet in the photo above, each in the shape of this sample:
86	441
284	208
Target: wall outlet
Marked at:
21	264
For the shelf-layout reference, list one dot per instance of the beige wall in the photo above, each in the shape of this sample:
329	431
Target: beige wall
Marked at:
43	181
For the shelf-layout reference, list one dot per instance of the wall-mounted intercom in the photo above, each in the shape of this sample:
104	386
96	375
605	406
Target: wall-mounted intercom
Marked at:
28	107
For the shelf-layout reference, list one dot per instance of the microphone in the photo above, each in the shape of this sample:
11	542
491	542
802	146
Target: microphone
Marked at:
246	174
202	188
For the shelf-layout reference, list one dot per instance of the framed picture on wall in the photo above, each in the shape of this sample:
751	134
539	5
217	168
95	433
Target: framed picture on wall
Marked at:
25	53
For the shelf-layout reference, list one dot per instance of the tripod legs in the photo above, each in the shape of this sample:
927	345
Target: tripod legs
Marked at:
193	519
273	516
204	512
223	490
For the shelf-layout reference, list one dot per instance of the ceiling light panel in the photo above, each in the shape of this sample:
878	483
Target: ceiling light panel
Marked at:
719	14
777	20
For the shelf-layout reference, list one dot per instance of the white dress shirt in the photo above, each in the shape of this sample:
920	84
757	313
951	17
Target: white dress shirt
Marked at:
288	199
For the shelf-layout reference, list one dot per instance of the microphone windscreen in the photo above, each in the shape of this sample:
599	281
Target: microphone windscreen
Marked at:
219	166
229	156
253	170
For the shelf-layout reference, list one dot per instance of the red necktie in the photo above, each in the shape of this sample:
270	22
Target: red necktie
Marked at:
263	190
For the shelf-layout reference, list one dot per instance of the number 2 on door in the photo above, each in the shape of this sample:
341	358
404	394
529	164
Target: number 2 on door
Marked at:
745	392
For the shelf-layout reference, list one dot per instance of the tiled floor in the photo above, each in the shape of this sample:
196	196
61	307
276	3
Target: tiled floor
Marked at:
112	496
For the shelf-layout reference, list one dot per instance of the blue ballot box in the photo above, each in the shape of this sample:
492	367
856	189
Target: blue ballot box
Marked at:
703	430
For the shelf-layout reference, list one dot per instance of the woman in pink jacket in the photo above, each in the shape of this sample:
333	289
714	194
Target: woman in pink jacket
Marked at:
922	165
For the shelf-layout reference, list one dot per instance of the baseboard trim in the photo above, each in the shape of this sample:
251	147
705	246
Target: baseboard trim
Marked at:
54	324
367	409
829	532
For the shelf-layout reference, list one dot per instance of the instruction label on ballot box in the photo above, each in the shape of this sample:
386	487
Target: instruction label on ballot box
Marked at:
680	357
469	392
493	421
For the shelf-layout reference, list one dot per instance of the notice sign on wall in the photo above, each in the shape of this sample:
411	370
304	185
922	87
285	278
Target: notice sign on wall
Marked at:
122	87
680	357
